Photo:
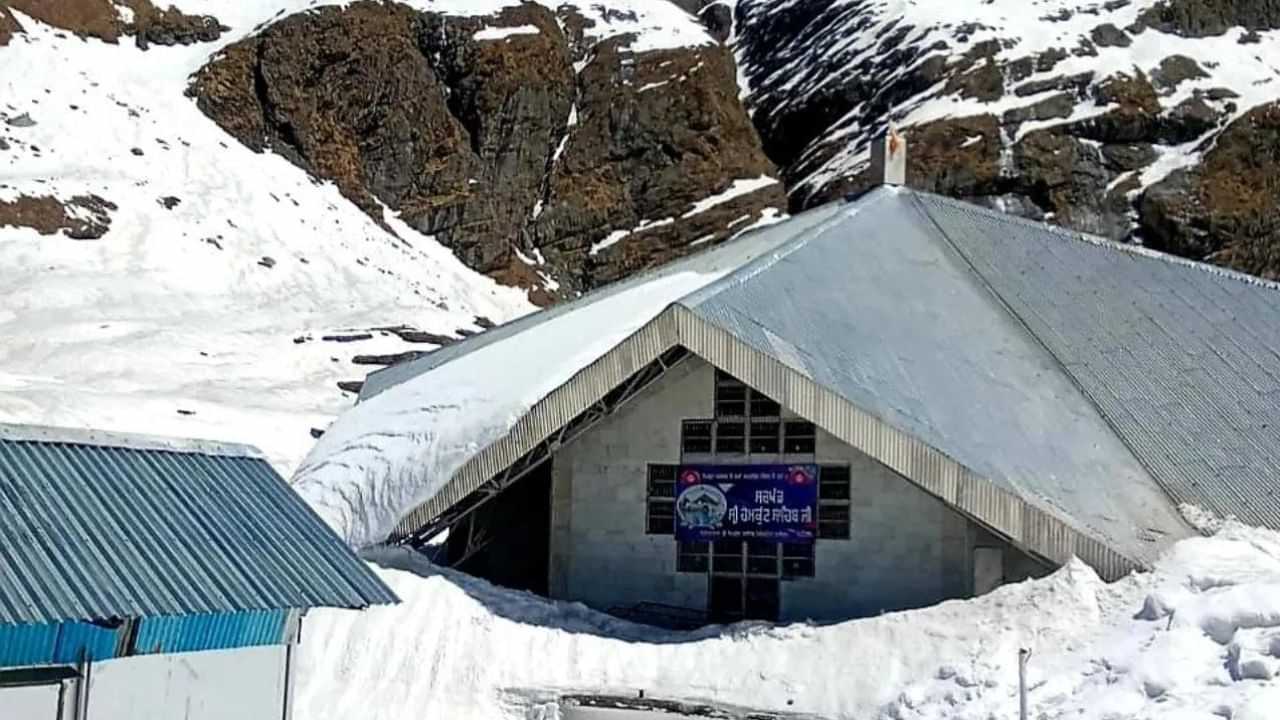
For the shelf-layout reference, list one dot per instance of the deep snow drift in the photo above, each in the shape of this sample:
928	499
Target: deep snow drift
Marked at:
1198	638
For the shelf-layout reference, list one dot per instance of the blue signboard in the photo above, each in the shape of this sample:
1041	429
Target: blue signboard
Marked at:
747	502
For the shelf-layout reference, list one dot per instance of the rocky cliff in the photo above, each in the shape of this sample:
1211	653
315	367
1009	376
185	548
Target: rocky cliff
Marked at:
544	146
1138	120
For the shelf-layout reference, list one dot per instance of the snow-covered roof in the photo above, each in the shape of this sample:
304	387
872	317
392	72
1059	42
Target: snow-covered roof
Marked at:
1068	392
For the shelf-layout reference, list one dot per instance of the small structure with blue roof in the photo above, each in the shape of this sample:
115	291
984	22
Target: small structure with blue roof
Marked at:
115	547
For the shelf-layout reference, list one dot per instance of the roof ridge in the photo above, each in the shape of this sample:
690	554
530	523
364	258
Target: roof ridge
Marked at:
801	240
90	437
1098	241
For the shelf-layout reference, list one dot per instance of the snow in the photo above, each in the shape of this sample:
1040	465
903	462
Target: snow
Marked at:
397	449
463	649
124	332
168	324
617	236
735	190
502	33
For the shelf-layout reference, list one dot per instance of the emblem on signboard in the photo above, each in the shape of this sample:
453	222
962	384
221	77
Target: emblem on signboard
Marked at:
702	506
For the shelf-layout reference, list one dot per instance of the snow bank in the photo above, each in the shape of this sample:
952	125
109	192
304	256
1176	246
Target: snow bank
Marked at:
463	649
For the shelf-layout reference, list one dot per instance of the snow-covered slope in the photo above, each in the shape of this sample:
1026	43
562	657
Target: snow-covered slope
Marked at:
1197	638
1068	110
201	309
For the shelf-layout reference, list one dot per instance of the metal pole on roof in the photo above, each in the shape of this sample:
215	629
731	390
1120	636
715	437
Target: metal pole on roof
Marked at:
1023	656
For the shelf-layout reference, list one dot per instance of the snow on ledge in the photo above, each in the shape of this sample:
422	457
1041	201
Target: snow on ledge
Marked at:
502	33
735	190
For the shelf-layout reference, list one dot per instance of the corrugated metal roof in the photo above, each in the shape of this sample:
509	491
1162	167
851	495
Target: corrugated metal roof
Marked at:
190	633
1101	383
878	309
1182	359
110	531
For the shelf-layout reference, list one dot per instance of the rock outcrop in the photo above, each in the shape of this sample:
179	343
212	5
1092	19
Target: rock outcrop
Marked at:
108	20
514	139
1074	124
83	217
1225	209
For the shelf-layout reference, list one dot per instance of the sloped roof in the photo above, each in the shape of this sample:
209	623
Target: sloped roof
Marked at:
1099	383
99	526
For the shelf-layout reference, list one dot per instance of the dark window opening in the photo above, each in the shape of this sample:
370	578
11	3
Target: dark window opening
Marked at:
762	406
693	557
797	560
730	397
660	504
731	437
695	436
833	483
725	601
834	493
800	437
507	540
833	522
762	600
764	437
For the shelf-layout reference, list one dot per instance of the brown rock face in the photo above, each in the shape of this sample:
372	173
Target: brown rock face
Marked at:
1203	18
1225	209
493	142
8	26
101	19
84	217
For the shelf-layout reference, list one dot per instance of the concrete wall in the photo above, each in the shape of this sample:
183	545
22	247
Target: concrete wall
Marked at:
907	549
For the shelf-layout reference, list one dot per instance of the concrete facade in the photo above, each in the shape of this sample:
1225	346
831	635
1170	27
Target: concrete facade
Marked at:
906	548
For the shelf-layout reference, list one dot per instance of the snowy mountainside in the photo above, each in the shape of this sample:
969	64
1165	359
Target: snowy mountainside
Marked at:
1198	637
158	276
201	308
1149	120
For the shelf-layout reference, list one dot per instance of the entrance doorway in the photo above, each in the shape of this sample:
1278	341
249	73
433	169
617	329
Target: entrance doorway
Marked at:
507	540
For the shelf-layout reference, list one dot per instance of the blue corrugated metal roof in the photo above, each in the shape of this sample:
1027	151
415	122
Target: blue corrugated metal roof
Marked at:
189	633
133	529
69	642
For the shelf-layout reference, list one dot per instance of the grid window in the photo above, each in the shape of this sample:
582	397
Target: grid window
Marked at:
762	557
660	505
731	396
731	437
834	493
764	437
695	436
726	556
762	406
833	483
799	437
797	560
693	557
833	522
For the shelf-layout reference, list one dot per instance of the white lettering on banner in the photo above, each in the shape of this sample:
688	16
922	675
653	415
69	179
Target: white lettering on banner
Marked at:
772	496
